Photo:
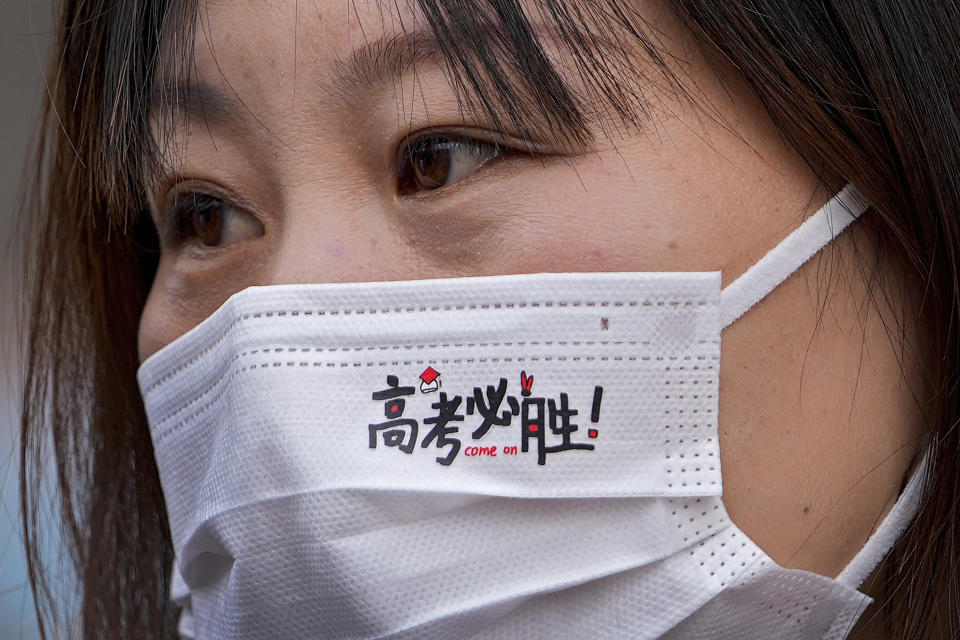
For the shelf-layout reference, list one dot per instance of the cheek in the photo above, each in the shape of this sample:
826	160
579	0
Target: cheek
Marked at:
156	327
596	217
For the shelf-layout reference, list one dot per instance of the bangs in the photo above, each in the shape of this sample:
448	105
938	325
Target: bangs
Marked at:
561	71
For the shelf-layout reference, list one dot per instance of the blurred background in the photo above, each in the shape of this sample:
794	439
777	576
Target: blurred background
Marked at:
24	41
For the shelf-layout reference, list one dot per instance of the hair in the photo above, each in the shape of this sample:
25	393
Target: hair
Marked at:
866	92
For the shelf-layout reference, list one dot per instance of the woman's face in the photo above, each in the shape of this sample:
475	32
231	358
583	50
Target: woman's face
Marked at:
313	150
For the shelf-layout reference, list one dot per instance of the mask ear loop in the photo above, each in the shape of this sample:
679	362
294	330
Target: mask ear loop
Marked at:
780	262
764	276
881	541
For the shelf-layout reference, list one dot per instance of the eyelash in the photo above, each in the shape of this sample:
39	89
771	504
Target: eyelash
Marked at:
178	219
472	147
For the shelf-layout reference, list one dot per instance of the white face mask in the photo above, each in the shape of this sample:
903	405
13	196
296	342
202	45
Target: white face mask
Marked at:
529	456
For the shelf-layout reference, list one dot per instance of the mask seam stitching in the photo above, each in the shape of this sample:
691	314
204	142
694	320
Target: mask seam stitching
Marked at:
302	313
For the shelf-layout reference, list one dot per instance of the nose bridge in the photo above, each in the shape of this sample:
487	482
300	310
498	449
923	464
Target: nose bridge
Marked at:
334	232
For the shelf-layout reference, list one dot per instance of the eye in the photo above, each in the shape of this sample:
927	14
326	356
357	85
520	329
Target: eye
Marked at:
430	162
211	221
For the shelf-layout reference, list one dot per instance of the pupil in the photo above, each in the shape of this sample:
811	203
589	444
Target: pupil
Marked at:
432	166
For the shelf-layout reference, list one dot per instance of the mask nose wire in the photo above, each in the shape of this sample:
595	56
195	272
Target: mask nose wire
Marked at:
779	263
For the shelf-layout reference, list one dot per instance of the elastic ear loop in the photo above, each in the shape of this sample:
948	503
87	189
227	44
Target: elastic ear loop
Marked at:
763	277
881	541
792	253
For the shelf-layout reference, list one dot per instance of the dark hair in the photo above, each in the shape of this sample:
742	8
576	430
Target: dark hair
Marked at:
866	92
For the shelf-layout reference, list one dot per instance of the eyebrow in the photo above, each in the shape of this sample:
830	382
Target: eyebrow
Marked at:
384	59
365	69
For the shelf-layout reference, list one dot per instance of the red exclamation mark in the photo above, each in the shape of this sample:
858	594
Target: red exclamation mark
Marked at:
595	410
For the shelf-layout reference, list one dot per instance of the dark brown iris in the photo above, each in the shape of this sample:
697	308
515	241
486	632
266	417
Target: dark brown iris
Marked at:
426	166
433	162
431	167
208	222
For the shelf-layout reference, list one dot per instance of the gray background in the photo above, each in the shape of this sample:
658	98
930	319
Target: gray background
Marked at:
24	40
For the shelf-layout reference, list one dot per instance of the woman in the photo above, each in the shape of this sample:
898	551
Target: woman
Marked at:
344	143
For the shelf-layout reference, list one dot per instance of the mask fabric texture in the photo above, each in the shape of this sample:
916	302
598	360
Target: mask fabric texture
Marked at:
526	456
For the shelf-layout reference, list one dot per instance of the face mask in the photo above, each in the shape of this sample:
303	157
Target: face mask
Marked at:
528	456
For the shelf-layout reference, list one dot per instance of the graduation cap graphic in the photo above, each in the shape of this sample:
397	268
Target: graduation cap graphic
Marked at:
429	380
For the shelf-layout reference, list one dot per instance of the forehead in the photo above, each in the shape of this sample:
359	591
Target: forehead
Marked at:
286	47
276	76
559	69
